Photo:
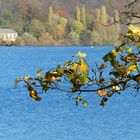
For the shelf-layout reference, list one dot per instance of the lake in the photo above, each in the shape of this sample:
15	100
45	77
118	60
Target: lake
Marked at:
56	117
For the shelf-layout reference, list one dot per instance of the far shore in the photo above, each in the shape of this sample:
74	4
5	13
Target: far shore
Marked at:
91	46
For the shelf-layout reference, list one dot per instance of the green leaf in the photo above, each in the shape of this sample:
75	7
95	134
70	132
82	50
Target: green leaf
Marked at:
129	50
85	103
138	44
113	54
120	48
78	99
81	54
130	32
137	79
115	73
106	57
131	37
68	62
77	102
110	56
102	66
84	78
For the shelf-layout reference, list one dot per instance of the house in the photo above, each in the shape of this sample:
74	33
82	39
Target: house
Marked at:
7	36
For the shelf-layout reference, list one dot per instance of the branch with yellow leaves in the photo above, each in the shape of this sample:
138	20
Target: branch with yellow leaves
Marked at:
75	72
123	61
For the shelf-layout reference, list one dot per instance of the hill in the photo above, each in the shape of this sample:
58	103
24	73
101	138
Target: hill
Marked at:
61	22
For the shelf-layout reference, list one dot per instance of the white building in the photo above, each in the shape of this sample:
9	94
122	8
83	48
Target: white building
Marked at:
8	35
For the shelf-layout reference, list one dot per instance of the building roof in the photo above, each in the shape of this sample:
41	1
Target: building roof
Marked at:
5	30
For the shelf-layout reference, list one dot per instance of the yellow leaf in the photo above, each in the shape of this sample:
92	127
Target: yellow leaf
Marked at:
81	54
83	67
103	93
55	78
85	103
113	52
54	72
135	29
75	66
39	72
116	88
26	78
34	95
131	68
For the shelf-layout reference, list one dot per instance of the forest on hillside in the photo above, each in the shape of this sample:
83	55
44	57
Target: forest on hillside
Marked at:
65	22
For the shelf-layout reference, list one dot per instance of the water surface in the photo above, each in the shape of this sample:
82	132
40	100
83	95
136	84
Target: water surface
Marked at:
56	117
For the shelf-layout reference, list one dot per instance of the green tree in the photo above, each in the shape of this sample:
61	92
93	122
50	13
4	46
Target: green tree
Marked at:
51	29
62	21
83	15
75	26
89	22
103	15
61	28
86	37
112	35
117	19
98	15
8	15
26	40
26	26
56	26
73	38
50	15
45	39
96	39
7	19
36	28
19	26
78	14
101	30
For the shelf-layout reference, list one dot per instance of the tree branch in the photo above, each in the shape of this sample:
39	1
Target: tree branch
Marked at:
109	86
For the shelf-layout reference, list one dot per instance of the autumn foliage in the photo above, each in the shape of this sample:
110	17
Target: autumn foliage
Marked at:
65	26
121	65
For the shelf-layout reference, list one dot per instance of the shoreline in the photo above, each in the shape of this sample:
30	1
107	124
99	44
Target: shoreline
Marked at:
92	46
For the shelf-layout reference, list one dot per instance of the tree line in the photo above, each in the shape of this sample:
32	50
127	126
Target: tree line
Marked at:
56	28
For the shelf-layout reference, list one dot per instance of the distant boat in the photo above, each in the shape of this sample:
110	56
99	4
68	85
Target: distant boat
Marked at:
91	47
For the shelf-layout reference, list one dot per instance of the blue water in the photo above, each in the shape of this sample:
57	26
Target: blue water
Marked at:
56	117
